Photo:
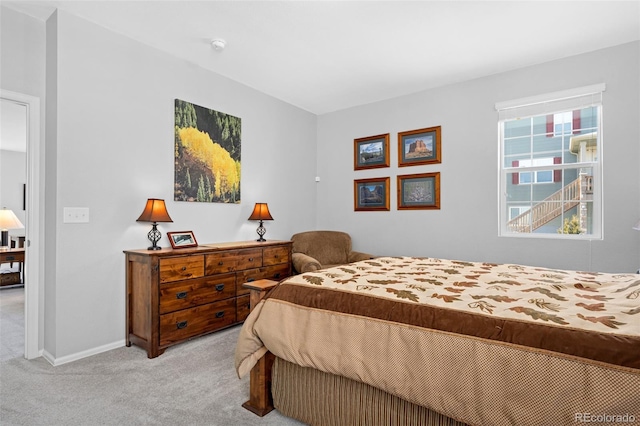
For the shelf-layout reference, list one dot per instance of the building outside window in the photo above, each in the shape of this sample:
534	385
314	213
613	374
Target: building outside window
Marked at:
550	165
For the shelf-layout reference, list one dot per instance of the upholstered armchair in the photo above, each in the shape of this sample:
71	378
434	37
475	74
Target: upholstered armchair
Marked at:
313	250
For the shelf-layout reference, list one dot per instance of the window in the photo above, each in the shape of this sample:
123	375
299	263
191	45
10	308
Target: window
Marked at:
550	171
562	123
515	211
540	176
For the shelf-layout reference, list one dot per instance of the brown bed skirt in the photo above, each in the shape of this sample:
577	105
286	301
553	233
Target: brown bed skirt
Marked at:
319	398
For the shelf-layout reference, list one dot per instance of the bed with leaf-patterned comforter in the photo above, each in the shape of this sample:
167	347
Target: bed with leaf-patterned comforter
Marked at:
479	342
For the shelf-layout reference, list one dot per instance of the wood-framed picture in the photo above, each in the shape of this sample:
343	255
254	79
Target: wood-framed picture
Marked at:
371	152
182	239
417	147
419	191
371	194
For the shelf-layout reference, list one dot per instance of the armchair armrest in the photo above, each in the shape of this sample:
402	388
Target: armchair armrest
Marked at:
303	263
356	256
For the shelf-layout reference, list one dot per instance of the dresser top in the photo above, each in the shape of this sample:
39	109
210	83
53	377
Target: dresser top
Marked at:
207	248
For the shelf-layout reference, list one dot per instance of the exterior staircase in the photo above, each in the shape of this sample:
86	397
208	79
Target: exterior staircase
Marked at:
553	206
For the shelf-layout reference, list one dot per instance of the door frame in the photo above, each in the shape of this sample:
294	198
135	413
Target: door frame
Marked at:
34	238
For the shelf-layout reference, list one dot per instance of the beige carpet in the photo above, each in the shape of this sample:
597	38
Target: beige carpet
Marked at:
11	323
190	384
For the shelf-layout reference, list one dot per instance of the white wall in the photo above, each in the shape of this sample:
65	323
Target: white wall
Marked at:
22	44
113	149
13	174
22	70
466	226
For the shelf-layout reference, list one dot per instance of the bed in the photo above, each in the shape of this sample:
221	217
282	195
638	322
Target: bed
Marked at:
407	340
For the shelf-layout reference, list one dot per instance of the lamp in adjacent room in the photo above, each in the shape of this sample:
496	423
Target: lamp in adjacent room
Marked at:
261	212
155	211
8	220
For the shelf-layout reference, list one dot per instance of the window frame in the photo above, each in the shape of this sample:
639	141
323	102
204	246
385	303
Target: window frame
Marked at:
504	172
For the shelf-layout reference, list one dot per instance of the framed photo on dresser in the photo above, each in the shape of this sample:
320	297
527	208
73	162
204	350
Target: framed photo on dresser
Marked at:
182	239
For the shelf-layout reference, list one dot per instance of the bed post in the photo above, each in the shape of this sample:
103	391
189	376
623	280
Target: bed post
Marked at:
260	401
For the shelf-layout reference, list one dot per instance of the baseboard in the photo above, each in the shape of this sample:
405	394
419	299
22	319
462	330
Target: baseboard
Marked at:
84	354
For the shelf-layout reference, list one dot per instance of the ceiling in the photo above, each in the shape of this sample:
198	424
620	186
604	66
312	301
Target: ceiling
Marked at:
325	56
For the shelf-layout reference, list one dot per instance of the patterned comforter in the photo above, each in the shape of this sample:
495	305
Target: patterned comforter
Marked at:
483	343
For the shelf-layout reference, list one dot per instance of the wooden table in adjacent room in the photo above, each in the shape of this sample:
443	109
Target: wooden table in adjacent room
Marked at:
10	256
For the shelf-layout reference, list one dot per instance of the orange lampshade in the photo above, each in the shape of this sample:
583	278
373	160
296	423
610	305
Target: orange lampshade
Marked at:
155	211
261	212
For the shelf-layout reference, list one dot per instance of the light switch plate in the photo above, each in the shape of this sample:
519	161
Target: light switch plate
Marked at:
76	215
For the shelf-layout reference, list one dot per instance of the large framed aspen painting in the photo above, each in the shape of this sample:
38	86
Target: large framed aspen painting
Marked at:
207	155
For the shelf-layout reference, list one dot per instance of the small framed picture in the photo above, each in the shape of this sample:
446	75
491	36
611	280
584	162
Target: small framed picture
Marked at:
419	191
182	239
371	194
371	152
416	147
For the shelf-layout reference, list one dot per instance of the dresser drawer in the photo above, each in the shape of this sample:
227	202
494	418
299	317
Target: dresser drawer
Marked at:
181	268
190	293
181	325
275	256
221	263
275	273
242	308
235	260
248	259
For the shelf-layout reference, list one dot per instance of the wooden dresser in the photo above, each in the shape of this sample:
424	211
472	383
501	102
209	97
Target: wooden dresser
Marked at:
176	294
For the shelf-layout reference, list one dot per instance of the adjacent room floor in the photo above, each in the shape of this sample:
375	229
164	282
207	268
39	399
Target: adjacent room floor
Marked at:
11	322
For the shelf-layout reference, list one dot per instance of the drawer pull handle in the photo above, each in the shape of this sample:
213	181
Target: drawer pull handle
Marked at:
182	324
220	263
251	259
276	256
184	268
276	275
219	287
219	314
250	279
181	295
8	258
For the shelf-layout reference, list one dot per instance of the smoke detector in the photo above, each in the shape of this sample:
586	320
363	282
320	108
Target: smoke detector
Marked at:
218	44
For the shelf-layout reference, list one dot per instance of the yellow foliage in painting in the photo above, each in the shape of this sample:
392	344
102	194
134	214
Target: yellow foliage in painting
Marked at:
217	158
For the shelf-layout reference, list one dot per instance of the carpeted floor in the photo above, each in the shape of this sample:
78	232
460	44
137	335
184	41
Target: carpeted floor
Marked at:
11	323
190	384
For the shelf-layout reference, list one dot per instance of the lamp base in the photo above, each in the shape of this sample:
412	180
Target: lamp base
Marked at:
261	231
4	239
154	236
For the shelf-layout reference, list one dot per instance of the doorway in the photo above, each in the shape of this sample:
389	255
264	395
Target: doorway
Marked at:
29	106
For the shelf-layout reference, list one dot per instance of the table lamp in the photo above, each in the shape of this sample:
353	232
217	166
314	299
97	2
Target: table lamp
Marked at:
261	212
8	220
155	211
